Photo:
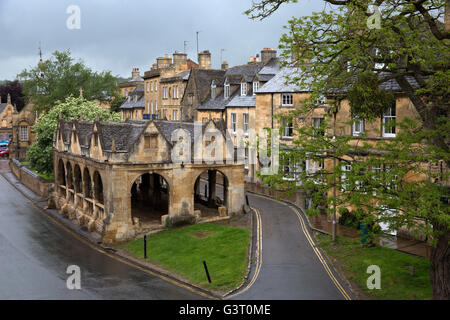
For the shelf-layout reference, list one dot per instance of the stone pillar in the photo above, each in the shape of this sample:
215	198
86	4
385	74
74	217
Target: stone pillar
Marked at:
212	174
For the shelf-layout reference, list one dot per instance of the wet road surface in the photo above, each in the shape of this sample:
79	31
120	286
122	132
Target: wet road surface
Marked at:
35	254
290	269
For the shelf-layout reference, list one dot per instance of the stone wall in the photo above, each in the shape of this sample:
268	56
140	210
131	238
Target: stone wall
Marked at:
31	180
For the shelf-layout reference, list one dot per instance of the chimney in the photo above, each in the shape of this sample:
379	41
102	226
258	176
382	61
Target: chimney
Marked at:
135	73
204	60
224	66
8	99
164	62
267	54
180	60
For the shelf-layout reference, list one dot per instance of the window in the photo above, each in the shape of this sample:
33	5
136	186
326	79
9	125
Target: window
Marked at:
226	90
156	86
286	99
213	90
255	87
151	141
23	133
358	126
389	123
286	126
175	115
233	122
317	123
152	108
165	93
246	123
243	89
148	86
345	168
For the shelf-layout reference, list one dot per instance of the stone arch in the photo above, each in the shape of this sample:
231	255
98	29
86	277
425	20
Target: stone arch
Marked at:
87	184
78	179
98	187
211	191
69	172
150	198
61	173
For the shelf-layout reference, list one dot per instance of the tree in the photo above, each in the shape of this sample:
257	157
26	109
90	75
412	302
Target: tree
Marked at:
61	76
40	154
14	88
117	102
337	51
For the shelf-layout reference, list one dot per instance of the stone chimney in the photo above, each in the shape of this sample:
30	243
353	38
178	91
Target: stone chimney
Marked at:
267	54
180	61
204	60
135	73
224	66
164	62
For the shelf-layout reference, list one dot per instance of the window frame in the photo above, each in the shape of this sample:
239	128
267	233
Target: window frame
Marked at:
392	116
287	97
233	122
243	89
362	126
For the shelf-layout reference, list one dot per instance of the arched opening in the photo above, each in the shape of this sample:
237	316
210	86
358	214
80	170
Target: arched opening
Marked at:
210	192
69	176
77	179
98	187
87	184
62	178
149	199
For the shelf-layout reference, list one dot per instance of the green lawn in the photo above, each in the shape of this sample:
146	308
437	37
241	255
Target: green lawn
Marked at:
183	250
396	281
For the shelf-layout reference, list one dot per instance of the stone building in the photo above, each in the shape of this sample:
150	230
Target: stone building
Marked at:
134	106
22	135
6	118
118	179
127	87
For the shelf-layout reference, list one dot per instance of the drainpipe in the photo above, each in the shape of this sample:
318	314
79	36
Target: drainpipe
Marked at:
272	109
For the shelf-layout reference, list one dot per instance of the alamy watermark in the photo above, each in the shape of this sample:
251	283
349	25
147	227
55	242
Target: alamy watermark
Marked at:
73	22
74	280
374	281
374	21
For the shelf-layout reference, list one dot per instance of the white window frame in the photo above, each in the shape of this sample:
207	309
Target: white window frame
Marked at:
243	88
148	86
287	126
233	122
152	107
246	158
245	120
226	91
213	90
388	116
23	133
287	99
316	124
356	132
255	87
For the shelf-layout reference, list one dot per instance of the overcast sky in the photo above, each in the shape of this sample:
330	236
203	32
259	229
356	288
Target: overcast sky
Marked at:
118	35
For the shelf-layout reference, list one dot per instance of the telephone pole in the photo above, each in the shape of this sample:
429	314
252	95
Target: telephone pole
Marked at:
197	41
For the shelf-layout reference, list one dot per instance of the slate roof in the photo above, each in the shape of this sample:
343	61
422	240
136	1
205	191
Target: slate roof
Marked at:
242	101
271	68
246	71
2	106
136	99
203	79
183	75
278	83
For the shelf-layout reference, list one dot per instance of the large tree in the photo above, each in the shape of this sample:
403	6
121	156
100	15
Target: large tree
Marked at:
341	51
14	88
40	154
61	76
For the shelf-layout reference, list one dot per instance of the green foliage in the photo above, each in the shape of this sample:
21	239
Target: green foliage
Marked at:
40	154
62	76
117	102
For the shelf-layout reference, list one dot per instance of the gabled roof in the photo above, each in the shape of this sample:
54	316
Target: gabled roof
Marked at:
242	101
246	71
135	100
2	106
203	79
219	103
279	83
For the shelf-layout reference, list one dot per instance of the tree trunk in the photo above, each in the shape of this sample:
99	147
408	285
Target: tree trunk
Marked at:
440	264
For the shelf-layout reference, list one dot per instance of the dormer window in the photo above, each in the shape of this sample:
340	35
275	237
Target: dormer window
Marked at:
243	89
213	90
226	89
255	87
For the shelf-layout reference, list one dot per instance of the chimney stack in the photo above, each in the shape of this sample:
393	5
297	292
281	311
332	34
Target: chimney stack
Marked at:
204	60
180	60
267	54
224	66
164	62
135	73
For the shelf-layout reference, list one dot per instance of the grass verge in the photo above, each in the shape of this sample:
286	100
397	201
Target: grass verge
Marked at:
396	281
183	250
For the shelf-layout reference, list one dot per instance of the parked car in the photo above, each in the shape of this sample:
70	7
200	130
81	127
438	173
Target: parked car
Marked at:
4	153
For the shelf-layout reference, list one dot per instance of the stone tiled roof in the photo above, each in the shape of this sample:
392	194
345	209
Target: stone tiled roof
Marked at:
279	83
183	75
219	103
2	106
242	101
247	71
136	99
272	67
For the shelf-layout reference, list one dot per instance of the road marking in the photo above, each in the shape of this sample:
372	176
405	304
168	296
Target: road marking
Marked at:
89	244
258	253
314	247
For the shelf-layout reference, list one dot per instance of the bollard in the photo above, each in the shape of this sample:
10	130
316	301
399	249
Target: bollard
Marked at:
145	246
206	270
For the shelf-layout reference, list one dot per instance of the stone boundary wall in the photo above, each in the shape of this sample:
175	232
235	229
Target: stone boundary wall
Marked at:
30	179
